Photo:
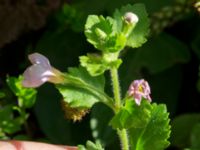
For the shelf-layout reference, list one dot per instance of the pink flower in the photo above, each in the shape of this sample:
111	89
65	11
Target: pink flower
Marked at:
139	89
40	72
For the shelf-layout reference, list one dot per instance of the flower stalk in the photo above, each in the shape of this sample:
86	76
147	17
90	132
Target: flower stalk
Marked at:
123	135
116	87
124	139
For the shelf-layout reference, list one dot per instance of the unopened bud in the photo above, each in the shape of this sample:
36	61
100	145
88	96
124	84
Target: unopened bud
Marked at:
131	17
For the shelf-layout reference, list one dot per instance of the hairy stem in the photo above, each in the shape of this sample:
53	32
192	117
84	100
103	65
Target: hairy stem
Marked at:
116	87
123	135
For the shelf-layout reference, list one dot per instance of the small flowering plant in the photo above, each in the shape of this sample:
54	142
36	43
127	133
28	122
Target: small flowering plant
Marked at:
140	124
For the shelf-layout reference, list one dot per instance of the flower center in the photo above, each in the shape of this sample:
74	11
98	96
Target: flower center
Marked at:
140	88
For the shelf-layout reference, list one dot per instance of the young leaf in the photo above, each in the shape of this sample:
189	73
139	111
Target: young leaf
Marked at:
97	65
85	92
94	64
156	133
91	146
132	115
99	32
9	124
141	30
26	96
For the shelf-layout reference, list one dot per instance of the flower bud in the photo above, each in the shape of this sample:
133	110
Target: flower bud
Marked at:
130	21
131	18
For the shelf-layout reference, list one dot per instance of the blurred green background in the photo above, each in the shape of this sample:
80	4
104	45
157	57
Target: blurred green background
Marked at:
169	60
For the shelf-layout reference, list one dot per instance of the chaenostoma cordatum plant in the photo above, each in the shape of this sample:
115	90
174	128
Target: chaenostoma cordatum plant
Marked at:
140	124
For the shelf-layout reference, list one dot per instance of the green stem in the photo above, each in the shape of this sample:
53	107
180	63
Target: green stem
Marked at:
24	115
116	87
123	135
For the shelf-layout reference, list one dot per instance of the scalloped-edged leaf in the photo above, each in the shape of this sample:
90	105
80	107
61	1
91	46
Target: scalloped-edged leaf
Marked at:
156	133
141	30
80	96
99	32
97	65
26	96
94	64
132	115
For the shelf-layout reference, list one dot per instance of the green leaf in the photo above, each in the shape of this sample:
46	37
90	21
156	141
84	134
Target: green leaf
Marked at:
164	49
81	73
182	127
97	65
69	15
9	124
132	115
141	30
2	94
26	96
77	97
195	136
91	146
94	64
6	112
99	32
148	125
86	93
156	133
3	136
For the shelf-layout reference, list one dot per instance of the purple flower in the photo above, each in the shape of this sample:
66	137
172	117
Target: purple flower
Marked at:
139	89
40	72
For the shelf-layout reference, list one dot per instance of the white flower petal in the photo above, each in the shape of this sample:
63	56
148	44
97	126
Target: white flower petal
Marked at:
131	17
